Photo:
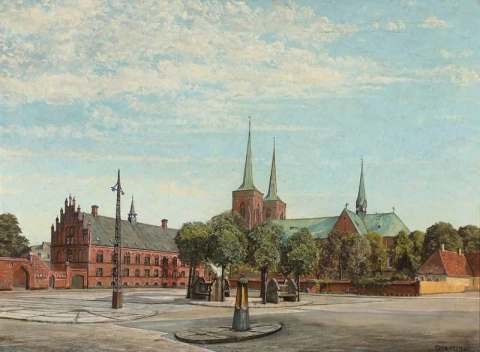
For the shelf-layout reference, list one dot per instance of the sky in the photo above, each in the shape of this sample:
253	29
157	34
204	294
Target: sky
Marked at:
162	90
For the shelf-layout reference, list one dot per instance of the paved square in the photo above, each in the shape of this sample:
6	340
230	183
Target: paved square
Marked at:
150	318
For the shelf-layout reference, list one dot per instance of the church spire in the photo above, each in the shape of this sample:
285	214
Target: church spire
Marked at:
132	216
248	172
272	188
361	198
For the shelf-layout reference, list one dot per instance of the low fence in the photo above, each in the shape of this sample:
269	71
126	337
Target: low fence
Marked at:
394	288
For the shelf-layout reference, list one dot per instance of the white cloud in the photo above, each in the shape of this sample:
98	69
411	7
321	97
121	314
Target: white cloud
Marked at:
434	22
448	54
463	76
395	26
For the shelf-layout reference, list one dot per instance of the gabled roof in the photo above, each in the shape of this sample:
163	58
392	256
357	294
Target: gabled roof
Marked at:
138	235
385	224
474	261
357	221
318	227
446	263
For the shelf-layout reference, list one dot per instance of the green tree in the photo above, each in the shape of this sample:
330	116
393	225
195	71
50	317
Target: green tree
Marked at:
418	239
470	235
378	252
263	253
358	254
228	242
12	243
438	234
193	241
404	258
299	255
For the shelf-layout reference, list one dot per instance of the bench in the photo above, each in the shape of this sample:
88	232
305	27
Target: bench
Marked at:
351	290
286	293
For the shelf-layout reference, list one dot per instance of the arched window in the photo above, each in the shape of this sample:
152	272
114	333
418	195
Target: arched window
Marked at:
99	272
137	259
155	273
242	210
157	260
269	214
257	215
165	273
147	260
174	261
137	273
165	260
182	274
126	272
147	273
100	257
126	258
174	274
69	255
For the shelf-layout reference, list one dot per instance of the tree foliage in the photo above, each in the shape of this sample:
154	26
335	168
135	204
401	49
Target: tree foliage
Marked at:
12	243
438	234
378	252
470	235
344	255
299	255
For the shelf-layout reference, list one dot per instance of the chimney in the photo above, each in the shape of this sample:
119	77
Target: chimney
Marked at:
95	210
459	251
443	247
164	224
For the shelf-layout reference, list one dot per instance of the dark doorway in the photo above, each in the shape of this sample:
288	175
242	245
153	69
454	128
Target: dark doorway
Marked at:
51	282
77	282
21	279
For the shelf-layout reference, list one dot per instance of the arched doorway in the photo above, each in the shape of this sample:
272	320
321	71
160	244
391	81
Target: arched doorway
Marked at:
76	282
51	282
21	279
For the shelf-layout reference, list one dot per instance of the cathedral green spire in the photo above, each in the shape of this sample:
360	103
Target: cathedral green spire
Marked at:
361	198
272	188
248	172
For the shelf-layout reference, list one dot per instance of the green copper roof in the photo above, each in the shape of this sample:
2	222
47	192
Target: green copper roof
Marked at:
272	188
248	172
385	224
318	227
362	198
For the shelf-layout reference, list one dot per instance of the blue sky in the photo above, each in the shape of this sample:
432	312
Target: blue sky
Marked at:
163	91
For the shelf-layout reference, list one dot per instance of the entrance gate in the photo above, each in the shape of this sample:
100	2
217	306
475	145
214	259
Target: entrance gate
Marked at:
77	282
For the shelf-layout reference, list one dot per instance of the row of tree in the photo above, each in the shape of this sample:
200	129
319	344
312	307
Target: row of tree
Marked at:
225	241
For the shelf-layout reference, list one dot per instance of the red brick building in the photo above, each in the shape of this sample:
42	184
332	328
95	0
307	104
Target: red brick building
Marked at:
255	209
84	241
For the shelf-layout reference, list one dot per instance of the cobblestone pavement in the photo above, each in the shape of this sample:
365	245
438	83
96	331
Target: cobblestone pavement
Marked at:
329	323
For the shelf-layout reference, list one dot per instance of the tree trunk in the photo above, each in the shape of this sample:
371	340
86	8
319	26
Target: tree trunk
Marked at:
222	296
297	279
190	283
263	286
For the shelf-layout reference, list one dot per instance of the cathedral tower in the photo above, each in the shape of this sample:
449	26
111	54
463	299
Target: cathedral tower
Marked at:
361	198
247	200
274	207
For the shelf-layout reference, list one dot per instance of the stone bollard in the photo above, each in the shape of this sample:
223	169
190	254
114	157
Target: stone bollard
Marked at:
241	318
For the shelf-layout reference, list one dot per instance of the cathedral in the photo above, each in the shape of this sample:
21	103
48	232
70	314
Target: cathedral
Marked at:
249	202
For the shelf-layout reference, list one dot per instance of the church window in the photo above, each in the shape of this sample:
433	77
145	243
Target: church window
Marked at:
99	272
269	214
69	255
257	215
242	210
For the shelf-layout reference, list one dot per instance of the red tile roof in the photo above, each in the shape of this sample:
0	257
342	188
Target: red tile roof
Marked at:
449	263
474	261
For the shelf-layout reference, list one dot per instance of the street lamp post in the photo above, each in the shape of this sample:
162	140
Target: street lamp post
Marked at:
117	299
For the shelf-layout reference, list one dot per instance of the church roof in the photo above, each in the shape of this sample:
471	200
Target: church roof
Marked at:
272	187
135	236
318	227
247	183
385	224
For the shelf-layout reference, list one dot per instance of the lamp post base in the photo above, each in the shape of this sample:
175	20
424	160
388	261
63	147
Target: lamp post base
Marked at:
117	300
